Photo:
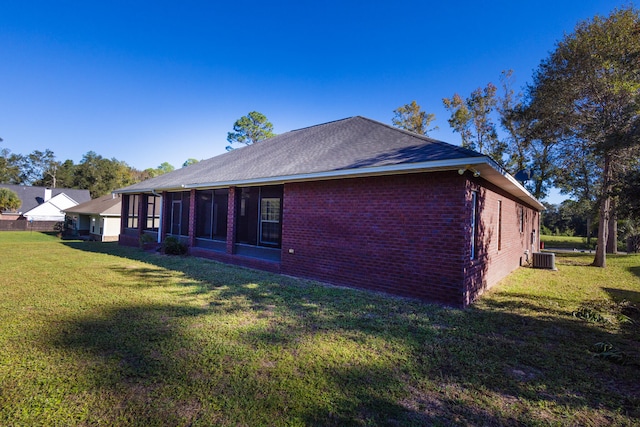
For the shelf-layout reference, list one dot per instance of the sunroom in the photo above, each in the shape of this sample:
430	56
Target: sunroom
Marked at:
256	229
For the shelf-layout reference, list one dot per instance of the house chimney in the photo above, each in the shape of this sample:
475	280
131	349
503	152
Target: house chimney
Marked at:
47	194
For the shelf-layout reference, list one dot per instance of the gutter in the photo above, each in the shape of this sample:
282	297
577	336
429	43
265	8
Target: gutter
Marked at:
487	168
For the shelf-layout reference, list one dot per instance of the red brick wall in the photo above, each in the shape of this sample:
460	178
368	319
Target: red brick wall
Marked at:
401	234
498	252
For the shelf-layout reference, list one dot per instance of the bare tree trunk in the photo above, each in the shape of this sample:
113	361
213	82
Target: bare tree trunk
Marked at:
53	176
600	259
612	243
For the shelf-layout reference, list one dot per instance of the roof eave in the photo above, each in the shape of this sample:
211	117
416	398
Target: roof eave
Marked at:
495	174
147	190
488	169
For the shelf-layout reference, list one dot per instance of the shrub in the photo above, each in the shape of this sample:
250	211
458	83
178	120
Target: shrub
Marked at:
607	351
545	230
173	246
590	315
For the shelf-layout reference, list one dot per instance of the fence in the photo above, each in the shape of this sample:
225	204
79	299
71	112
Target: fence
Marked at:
24	225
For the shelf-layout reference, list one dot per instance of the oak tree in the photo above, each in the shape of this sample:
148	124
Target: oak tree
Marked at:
589	88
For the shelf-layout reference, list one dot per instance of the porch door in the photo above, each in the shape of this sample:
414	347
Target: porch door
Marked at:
176	217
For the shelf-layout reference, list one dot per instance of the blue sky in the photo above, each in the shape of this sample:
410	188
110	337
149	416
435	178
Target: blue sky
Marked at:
148	82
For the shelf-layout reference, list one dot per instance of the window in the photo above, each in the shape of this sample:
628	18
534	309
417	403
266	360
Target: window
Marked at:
474	222
259	219
270	220
132	210
153	213
499	224
211	214
178	204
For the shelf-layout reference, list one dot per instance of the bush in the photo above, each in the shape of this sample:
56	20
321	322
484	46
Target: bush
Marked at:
173	246
633	244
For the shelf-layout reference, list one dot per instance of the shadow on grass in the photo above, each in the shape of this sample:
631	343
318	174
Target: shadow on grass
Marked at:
331	356
125	356
620	295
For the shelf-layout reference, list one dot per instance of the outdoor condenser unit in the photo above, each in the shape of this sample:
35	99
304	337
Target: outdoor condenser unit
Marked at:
544	260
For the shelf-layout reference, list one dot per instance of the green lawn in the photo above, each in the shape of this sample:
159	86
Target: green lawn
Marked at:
576	243
97	334
568	242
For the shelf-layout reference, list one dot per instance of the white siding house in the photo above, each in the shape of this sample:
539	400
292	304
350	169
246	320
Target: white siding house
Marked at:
51	210
98	219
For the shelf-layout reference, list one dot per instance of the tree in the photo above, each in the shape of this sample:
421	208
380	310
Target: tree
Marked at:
10	167
517	142
39	166
532	146
166	167
9	200
190	161
629	193
410	117
590	88
576	174
628	198
249	129
471	118
101	176
163	168
61	176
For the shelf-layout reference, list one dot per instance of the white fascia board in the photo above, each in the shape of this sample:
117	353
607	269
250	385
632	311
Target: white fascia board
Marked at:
153	190
348	173
495	174
489	170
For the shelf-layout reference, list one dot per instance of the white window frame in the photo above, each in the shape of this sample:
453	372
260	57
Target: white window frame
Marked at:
269	218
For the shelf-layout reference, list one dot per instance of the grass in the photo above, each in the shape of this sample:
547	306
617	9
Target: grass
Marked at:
98	334
568	242
576	243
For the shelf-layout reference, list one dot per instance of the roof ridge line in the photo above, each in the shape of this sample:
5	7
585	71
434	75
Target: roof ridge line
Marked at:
424	137
320	124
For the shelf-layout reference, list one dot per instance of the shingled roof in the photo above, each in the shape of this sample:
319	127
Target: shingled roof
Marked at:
32	196
108	205
355	146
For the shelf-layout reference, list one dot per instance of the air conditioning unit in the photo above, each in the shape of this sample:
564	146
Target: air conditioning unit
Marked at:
544	260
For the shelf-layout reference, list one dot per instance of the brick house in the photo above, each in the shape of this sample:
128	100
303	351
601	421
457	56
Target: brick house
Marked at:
352	202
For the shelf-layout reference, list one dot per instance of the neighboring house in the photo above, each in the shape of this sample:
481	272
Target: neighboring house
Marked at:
353	202
99	219
43	204
50	210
